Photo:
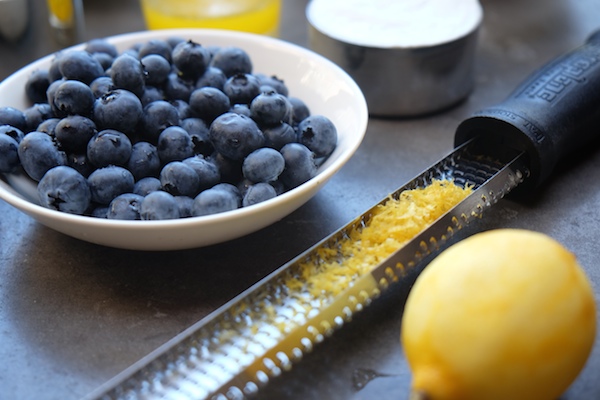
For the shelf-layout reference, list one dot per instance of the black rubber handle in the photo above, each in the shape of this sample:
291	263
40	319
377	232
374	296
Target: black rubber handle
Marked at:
552	113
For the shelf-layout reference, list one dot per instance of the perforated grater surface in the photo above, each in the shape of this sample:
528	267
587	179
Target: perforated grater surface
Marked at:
262	332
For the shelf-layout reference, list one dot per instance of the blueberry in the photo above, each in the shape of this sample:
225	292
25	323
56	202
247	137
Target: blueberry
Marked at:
270	108
80	162
300	110
125	206
79	65
155	47
318	133
99	211
128	73
242	109
36	85
278	186
299	165
104	59
235	136
64	189
36	114
13	132
9	154
72	97
151	93
267	89
279	135
198	131
179	179
183	109
54	70
207	171
231	170
273	82
38	154
51	90
263	165
257	193
159	206
48	126
213	49
109	147
175	40
74	132
191	59
212	77
106	183
208	103
118	109
215	200
101	86
232	189
147	185
178	88
157	69
232	60
133	52
174	144
243	186
13	117
185	205
101	45
144	160
156	117
241	88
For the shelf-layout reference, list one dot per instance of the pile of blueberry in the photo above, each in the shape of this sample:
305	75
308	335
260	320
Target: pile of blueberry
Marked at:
167	129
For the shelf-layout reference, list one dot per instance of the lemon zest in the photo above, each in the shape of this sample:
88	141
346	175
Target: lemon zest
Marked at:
392	224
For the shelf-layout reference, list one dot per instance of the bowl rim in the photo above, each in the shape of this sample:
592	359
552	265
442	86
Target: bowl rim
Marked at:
12	196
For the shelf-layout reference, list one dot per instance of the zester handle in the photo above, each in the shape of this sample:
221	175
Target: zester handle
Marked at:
552	113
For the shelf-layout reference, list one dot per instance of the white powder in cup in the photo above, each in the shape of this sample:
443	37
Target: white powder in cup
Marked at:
395	23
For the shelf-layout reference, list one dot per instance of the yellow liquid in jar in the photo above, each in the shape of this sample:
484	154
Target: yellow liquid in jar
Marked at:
256	16
61	10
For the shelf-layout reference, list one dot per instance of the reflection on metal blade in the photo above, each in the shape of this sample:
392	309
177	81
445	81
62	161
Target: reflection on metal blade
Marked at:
262	332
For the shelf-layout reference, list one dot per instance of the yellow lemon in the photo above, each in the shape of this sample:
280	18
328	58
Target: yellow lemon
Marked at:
504	314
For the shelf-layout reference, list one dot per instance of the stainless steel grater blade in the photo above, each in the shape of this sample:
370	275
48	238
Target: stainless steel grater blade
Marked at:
237	349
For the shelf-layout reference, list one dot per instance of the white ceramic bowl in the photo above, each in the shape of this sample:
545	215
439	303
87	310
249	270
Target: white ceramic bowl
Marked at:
323	86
